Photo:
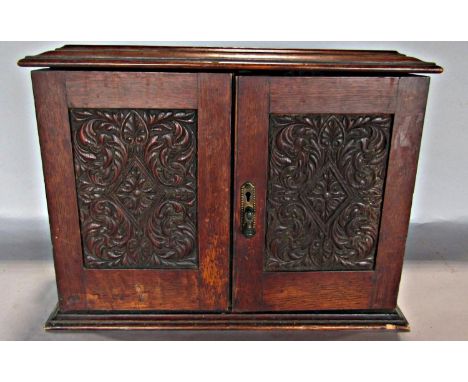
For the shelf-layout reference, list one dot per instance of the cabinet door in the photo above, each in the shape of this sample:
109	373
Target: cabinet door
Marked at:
333	162
137	172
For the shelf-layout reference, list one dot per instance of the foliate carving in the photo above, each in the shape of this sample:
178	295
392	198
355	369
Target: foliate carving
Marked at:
325	190
136	183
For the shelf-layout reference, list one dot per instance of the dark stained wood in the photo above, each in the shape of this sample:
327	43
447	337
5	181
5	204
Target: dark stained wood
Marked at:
325	190
214	180
57	163
141	90
258	290
315	290
129	191
144	289
140	289
345	320
198	80
251	165
334	94
401	176
232	59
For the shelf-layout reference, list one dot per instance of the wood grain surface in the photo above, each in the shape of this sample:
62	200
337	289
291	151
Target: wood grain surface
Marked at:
205	288
258	290
231	59
230	286
345	320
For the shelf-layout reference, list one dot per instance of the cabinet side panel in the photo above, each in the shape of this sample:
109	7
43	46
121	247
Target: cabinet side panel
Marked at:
401	175
57	161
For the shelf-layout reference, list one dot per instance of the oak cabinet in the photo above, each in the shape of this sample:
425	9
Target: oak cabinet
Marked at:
223	188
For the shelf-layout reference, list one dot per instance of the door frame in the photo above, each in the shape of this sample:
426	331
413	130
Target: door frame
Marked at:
255	290
84	289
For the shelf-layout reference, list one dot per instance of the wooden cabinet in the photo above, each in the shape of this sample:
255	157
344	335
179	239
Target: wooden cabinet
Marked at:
216	188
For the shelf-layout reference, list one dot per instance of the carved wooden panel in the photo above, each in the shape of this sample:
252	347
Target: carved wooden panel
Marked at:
325	191
136	176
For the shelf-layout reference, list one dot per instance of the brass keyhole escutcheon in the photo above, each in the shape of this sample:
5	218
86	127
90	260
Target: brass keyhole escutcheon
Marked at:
248	209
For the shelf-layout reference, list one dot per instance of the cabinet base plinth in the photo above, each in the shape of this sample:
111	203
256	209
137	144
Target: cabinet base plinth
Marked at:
319	320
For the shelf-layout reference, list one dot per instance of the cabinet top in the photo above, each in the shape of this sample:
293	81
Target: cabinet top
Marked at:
211	58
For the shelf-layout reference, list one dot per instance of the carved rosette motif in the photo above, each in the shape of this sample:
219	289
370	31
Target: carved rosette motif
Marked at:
325	191
136	184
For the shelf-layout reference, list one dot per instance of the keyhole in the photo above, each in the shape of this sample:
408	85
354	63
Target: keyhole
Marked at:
247	196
